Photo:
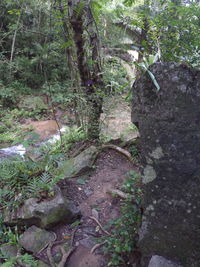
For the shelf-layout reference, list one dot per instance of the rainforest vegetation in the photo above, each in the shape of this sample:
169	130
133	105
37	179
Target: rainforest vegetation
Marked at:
72	56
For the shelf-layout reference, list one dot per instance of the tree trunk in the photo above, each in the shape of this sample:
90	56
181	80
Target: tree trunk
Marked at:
88	61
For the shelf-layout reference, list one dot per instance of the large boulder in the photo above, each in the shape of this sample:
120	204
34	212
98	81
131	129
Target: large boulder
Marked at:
169	125
44	214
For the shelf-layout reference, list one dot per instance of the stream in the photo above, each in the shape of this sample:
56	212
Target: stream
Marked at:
20	149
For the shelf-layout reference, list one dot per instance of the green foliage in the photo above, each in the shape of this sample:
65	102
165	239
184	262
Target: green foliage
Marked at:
145	67
25	259
21	180
122	241
69	137
115	77
175	28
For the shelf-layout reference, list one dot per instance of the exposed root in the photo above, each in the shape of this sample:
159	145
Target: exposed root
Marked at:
65	256
55	237
49	255
119	149
94	219
97	246
118	193
73	235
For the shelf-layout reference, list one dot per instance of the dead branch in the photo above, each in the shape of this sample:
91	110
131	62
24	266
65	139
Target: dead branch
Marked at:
94	219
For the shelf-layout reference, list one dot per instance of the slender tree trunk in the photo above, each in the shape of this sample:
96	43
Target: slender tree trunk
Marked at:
13	41
88	61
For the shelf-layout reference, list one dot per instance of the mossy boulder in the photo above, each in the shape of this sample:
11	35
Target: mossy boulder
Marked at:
35	239
79	164
44	214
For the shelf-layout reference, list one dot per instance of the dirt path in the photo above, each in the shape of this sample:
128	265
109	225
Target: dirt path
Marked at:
116	119
93	200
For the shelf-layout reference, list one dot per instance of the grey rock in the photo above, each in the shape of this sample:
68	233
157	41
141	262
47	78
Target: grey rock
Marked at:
81	163
95	214
88	192
159	261
34	239
169	125
87	242
44	214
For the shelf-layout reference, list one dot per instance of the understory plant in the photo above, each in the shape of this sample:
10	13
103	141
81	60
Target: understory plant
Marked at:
124	231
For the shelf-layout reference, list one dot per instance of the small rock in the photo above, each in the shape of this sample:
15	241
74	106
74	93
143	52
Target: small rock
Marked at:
87	242
57	257
34	239
88	192
159	261
95	214
100	201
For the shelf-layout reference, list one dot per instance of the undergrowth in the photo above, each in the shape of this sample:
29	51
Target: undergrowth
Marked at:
124	231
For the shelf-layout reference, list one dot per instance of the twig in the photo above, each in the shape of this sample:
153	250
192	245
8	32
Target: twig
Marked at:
94	219
97	246
119	149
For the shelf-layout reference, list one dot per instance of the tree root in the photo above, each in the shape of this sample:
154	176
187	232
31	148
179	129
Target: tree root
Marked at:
118	193
120	150
94	219
97	246
65	256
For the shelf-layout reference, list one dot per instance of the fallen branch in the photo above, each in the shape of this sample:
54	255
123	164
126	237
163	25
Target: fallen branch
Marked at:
94	219
97	246
120	150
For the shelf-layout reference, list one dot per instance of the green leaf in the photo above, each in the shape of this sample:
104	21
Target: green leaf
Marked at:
76	223
81	181
154	80
67	44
